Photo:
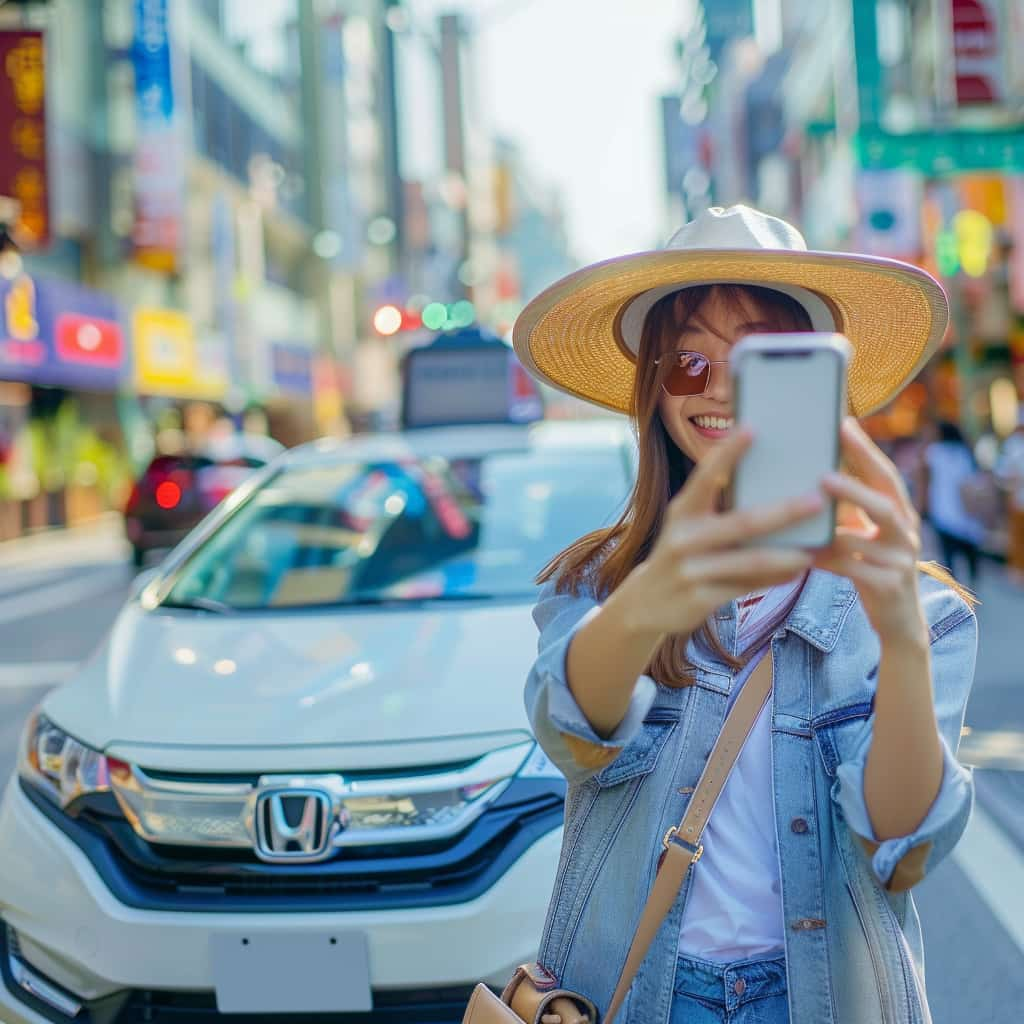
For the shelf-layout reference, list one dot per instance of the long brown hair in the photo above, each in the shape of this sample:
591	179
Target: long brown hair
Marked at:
601	560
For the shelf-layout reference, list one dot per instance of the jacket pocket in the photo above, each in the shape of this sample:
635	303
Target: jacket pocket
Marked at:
641	755
839	731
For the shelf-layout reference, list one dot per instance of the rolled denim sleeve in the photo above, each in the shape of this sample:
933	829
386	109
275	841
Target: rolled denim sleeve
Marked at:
559	724
900	863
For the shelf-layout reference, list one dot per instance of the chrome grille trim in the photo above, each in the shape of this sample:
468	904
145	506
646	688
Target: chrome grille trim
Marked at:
223	815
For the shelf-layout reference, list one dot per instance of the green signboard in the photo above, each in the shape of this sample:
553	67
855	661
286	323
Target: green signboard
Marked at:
939	153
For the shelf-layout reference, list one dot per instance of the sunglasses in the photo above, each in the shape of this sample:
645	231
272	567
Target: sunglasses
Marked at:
689	373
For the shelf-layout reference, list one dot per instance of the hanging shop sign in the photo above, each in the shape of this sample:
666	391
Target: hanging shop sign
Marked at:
171	360
978	63
159	176
328	392
889	213
60	335
23	163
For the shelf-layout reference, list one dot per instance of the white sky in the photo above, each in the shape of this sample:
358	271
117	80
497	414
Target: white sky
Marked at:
576	84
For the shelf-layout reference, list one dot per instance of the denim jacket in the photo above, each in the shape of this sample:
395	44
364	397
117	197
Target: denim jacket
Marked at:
854	949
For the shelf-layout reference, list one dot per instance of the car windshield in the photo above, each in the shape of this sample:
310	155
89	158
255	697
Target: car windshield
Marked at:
411	530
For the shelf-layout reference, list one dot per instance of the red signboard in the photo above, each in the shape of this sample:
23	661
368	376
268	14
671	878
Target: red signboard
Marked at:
89	340
23	133
977	52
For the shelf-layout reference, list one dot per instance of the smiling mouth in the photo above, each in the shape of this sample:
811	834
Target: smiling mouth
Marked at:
712	426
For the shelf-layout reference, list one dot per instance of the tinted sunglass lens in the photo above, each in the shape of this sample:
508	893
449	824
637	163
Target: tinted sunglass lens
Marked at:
689	375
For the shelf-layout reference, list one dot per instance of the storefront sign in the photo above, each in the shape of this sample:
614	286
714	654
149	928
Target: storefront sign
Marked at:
291	369
23	167
159	183
937	154
169	359
59	334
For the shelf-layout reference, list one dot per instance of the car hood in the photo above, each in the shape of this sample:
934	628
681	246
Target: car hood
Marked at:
311	690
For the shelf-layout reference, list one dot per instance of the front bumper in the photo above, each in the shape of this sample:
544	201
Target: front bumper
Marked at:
77	934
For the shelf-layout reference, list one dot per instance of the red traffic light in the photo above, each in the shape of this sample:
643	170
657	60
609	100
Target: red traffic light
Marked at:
390	319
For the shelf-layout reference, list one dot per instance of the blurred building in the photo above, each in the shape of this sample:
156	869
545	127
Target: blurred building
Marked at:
531	236
206	196
230	211
478	233
892	127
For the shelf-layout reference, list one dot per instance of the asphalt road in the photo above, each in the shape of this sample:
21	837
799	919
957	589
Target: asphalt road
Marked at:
59	594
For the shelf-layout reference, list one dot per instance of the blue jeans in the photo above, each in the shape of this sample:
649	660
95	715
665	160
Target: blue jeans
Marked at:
749	991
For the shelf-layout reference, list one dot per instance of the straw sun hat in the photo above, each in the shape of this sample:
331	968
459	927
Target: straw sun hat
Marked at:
582	334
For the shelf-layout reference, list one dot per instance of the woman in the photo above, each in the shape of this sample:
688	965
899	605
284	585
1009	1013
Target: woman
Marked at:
847	790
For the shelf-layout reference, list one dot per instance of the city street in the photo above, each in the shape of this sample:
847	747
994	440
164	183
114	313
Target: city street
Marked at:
60	592
370	319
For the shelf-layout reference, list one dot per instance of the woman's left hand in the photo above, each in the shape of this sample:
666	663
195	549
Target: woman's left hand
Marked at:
878	537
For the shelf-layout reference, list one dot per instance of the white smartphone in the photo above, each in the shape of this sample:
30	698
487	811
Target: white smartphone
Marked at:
790	390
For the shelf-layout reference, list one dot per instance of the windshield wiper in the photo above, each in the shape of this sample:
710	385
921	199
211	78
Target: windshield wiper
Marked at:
202	604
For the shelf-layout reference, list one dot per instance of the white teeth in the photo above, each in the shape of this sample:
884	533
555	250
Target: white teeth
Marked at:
713	422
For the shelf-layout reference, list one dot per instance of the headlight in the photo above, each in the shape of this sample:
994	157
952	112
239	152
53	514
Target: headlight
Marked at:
59	765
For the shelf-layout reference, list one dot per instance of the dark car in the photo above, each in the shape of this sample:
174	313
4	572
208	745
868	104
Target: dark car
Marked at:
176	491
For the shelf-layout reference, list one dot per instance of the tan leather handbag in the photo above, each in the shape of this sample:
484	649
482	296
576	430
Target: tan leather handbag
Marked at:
533	996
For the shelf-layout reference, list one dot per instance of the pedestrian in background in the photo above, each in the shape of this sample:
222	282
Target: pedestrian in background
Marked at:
1009	471
949	466
847	790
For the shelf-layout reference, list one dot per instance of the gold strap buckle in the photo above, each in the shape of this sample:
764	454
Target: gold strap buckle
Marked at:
671	834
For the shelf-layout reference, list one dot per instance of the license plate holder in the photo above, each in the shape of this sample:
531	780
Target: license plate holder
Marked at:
291	972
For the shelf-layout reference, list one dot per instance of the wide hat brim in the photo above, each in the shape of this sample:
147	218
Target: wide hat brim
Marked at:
894	314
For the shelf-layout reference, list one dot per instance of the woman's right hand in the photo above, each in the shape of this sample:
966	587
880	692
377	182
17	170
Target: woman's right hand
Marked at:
702	558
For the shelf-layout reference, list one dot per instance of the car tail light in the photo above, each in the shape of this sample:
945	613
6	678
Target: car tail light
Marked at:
164	485
168	494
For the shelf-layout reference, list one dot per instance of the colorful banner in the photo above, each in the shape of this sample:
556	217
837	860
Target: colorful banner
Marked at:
23	167
59	334
170	361
159	179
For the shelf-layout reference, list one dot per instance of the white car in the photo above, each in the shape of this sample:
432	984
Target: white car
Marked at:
298	776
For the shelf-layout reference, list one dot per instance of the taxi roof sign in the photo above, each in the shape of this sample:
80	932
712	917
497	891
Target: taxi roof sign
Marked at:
464	377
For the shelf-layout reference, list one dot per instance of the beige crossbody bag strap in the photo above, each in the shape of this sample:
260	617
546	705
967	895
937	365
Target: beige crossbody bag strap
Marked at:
682	841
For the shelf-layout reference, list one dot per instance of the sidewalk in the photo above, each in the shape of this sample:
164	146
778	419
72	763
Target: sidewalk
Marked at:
1000	620
101	540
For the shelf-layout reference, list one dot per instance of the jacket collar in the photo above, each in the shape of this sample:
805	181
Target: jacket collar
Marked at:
821	609
817	617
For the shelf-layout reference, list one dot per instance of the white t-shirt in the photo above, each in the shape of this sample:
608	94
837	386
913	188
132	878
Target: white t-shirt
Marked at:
734	909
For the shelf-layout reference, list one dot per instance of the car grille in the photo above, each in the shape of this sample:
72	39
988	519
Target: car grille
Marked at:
153	877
